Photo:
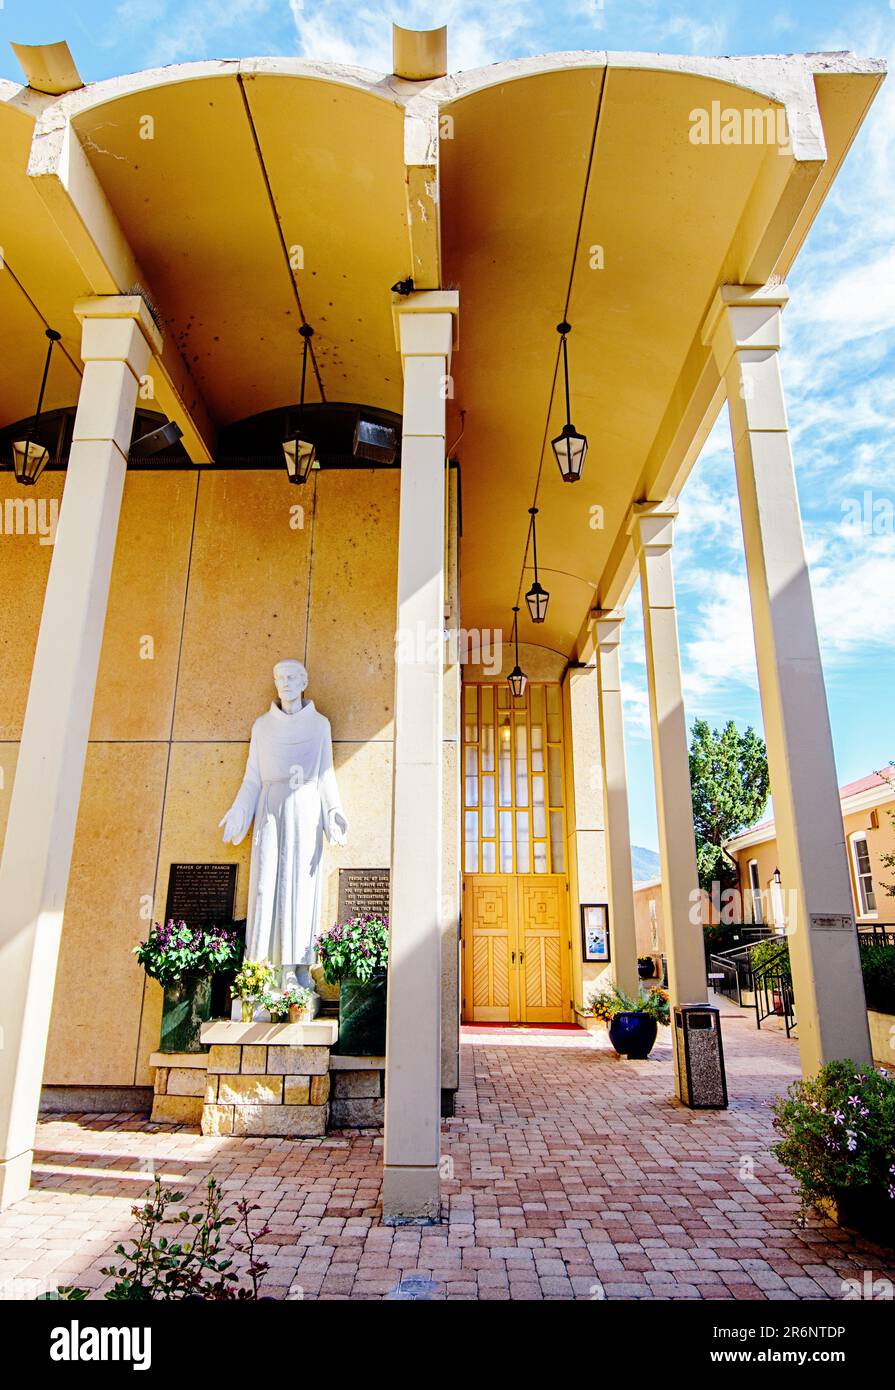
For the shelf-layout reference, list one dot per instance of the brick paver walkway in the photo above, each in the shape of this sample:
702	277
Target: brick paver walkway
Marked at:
571	1174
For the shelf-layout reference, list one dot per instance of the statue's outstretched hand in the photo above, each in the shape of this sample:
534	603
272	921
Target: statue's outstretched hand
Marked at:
338	828
234	826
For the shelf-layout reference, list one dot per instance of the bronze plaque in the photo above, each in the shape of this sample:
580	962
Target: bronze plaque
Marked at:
362	890
201	894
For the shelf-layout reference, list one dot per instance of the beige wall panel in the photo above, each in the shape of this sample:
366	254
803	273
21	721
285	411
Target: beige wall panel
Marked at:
99	986
134	692
25	564
203	779
350	654
364	773
247	601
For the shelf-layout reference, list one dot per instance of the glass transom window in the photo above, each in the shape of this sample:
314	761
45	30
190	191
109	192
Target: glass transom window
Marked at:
513	817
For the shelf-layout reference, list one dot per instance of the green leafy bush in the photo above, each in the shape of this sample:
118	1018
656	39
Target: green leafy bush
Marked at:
837	1132
174	950
878	969
774	952
605	1002
354	950
157	1267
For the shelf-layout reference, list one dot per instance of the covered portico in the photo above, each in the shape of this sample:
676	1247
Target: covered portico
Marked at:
176	227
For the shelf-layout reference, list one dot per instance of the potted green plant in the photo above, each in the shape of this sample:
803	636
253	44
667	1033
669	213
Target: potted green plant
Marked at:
251	984
184	960
633	1023
646	967
837	1138
299	1005
355	954
293	1007
273	1003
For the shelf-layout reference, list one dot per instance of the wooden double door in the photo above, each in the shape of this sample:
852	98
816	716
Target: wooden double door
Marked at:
516	963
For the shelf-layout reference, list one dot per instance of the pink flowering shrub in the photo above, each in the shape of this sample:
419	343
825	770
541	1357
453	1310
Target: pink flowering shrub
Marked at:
838	1132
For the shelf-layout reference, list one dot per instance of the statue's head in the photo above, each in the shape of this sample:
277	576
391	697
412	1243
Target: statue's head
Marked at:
290	679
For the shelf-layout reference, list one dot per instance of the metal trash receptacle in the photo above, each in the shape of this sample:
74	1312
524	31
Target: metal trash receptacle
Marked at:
699	1057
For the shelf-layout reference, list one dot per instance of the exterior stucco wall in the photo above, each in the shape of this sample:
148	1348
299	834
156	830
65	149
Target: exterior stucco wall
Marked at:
876	823
216	576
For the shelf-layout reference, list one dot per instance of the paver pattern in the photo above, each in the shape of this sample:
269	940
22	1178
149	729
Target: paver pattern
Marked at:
568	1174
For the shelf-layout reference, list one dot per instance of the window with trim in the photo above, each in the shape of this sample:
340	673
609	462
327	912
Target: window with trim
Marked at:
755	892
513	817
863	875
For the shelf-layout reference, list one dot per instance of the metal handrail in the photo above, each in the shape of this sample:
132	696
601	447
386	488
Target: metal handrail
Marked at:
735	965
774	993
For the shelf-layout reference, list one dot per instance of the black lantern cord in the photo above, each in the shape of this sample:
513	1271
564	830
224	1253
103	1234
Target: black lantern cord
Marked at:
307	334
533	511
516	630
53	337
564	329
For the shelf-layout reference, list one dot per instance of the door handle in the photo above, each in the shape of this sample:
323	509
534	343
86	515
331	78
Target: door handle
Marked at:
521	957
513	958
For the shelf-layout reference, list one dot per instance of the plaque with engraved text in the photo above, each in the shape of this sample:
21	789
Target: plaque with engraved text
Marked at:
361	891
201	894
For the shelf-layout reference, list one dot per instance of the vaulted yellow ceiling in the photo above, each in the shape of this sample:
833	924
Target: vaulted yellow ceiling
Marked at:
251	193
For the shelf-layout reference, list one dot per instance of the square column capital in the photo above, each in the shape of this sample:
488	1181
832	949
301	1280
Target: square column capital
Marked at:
118	328
744	318
651	525
606	627
426	323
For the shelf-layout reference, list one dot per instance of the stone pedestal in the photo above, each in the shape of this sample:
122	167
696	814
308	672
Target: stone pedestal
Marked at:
268	1079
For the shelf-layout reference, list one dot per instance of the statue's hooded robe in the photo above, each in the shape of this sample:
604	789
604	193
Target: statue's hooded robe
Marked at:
290	789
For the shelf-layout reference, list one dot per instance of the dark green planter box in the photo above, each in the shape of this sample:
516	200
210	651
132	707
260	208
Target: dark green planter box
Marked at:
362	1017
187	1005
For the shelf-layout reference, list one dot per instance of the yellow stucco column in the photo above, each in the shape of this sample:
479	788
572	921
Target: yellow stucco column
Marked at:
652	529
607	637
743	329
118	340
411	1187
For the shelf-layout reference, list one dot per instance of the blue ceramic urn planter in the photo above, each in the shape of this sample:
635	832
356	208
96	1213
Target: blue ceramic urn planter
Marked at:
633	1034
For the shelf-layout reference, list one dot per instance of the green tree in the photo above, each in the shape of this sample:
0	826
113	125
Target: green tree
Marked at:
729	784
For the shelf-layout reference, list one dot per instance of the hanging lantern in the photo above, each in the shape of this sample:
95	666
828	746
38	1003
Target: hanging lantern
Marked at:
29	458
300	452
569	446
517	677
537	597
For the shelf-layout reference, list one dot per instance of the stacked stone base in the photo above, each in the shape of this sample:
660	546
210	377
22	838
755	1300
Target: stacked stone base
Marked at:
358	1091
179	1089
268	1080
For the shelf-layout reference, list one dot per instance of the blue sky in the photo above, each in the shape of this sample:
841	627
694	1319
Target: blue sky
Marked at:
840	324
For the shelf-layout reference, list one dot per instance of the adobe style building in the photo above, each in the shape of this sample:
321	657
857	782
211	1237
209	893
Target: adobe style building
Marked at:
868	822
177	228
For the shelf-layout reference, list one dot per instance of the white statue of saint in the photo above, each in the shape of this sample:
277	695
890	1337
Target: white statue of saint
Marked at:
290	792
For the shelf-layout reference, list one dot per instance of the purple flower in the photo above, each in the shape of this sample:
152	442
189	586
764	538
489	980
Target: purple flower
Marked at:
838	1118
